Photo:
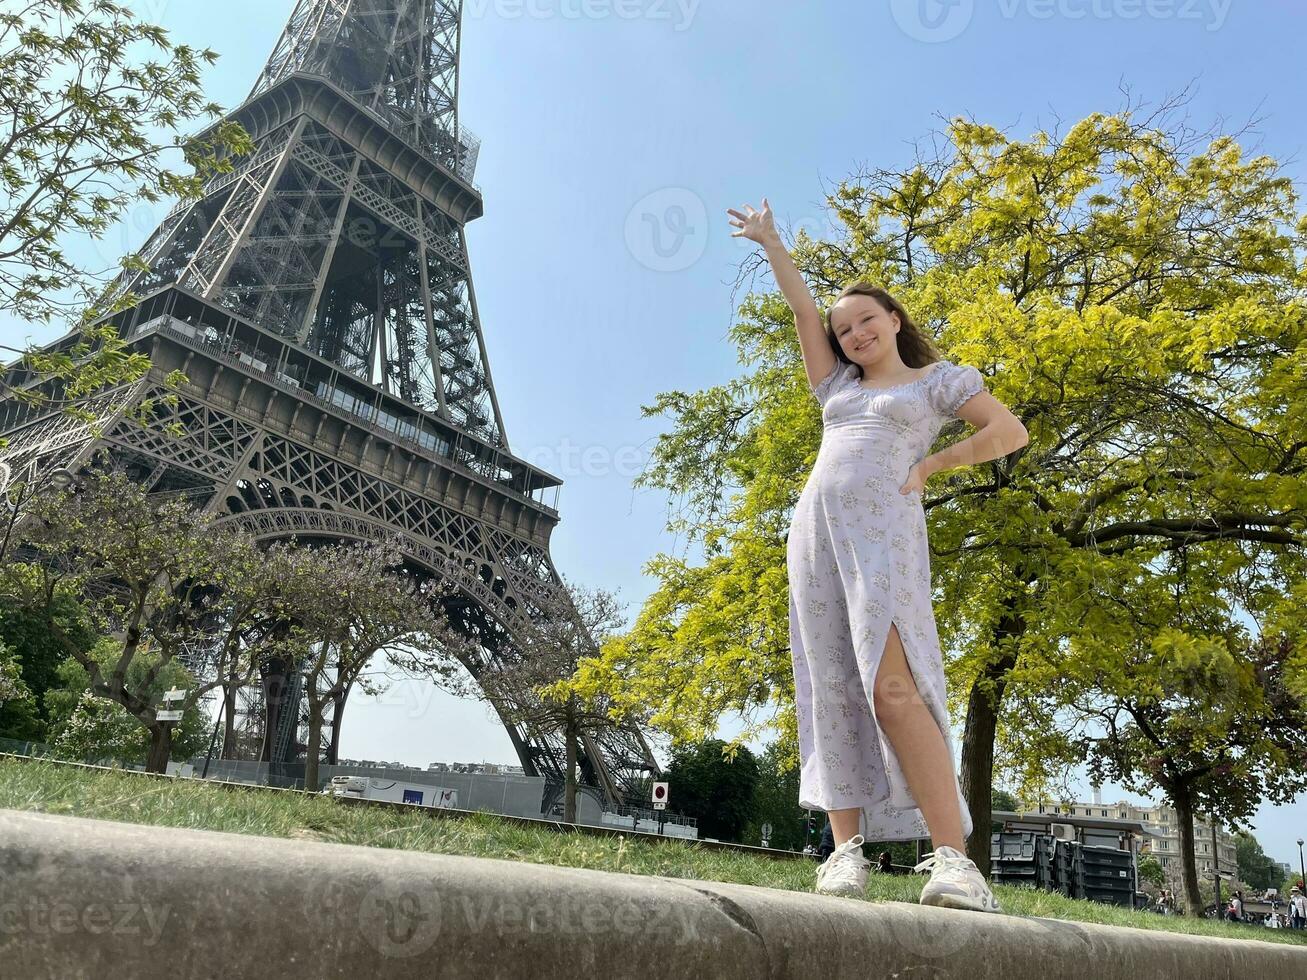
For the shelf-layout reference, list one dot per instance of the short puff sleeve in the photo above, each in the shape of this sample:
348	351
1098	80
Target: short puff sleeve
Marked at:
951	385
839	376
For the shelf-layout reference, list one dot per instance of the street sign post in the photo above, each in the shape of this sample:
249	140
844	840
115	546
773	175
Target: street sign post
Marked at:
660	794
169	713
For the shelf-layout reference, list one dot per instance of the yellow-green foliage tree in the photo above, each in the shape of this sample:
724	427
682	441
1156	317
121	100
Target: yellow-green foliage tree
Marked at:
1136	299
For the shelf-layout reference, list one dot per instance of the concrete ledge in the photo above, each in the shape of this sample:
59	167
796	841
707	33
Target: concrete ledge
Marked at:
89	898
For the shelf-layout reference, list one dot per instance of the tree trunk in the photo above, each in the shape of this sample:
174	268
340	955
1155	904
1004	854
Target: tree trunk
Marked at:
338	709
977	775
314	749
977	772
160	747
569	785
229	721
275	682
1184	815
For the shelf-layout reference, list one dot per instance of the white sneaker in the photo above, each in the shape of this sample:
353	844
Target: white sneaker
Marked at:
955	882
845	871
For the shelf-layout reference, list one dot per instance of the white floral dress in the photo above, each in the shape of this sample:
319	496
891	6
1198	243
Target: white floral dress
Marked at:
857	560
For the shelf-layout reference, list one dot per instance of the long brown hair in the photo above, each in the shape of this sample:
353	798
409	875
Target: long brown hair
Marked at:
915	348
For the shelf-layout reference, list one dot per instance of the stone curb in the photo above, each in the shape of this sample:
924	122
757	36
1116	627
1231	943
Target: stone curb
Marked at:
89	899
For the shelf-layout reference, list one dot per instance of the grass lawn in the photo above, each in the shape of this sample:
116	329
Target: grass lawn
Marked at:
133	797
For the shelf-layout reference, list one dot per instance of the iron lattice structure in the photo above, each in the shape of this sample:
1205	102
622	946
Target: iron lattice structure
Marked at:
319	301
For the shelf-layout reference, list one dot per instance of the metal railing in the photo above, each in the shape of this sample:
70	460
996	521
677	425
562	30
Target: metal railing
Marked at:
647	813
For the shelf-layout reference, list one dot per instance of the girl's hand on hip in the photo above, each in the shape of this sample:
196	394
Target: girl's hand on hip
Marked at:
916	481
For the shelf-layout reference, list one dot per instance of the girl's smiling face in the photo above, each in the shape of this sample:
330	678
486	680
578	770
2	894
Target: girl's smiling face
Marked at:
865	329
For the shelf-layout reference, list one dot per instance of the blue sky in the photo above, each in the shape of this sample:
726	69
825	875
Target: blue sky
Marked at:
615	133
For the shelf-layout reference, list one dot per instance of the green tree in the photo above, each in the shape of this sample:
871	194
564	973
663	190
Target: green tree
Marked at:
1001	799
11	677
19	716
87	727
776	802
158	577
93	98
93	101
353	602
1150	870
1137	301
713	787
13	691
1256	869
38	655
526	677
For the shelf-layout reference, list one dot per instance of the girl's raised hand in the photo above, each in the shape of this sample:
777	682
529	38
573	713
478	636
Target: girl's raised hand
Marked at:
757	226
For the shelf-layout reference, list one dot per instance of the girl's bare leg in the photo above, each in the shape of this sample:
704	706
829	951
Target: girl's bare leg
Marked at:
921	750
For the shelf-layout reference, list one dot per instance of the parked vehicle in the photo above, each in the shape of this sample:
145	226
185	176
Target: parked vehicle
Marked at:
393	790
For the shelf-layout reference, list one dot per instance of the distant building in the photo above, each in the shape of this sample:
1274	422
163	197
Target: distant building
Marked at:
1161	833
490	768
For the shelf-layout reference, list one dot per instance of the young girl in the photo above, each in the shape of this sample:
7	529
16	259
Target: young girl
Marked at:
874	738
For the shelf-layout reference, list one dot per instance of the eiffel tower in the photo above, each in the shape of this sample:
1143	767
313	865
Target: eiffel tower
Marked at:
319	301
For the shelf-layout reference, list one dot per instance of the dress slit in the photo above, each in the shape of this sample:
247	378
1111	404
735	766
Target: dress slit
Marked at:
896	784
